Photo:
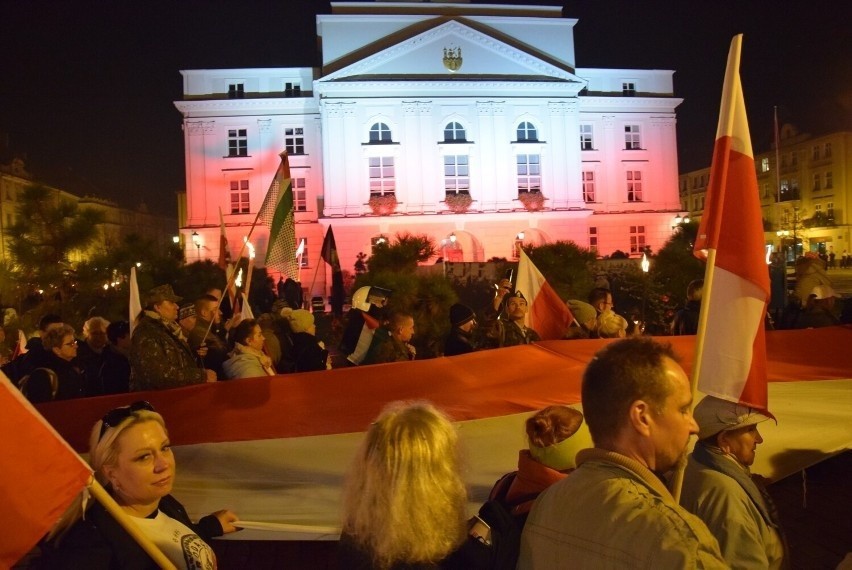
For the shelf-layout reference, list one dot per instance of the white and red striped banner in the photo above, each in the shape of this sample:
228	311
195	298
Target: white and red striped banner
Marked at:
548	315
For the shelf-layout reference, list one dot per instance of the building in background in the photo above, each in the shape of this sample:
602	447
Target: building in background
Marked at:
806	202
469	123
118	222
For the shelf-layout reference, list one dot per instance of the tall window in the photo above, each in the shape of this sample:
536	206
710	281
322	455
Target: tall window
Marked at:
815	153
829	180
456	174
637	239
382	176
380	133
628	89
294	140
454	132
587	140
632	137
593	239
236	91
300	195
764	164
816	181
237	142
529	173
527	132
634	185
239	196
827	152
588	186
794	159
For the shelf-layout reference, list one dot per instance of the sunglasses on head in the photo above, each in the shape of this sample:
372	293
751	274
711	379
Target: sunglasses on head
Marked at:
117	415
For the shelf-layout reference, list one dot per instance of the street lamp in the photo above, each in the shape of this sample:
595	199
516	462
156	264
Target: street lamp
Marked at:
519	243
646	265
196	239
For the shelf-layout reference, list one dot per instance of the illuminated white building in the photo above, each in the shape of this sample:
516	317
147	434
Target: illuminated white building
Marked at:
424	102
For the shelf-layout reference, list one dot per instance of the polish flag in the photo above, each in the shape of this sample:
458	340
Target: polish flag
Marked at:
548	315
135	303
41	475
731	343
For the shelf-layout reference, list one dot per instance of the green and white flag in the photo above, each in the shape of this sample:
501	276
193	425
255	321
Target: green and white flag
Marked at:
277	213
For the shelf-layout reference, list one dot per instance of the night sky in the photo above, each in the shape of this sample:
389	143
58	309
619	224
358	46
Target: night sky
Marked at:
87	87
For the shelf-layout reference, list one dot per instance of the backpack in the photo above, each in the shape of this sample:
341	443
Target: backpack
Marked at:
505	535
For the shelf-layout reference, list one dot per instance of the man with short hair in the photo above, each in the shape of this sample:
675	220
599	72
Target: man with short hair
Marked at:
35	355
208	316
614	511
90	354
115	372
460	340
390	344
601	299
159	356
509	328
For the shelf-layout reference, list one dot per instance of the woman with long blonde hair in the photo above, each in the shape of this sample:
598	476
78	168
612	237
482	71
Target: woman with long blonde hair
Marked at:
404	498
131	455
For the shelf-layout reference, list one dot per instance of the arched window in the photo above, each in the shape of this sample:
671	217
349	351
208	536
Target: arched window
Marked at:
454	132
380	133
527	132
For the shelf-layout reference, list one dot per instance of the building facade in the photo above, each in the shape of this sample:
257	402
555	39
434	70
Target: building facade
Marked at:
805	192
468	123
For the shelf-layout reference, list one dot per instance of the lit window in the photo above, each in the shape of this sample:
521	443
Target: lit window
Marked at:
294	140
827	152
380	133
593	239
764	164
236	91
454	132
300	195
637	239
237	142
587	140
240	196
529	173
527	132
632	137
456	174
634	185
829	180
588	186
817	207
628	89
382	176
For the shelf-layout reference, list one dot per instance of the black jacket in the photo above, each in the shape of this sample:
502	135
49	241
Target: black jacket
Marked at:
100	543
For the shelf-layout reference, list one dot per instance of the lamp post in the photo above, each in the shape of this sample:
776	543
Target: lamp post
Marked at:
519	243
196	239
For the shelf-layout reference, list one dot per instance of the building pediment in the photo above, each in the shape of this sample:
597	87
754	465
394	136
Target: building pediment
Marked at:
450	49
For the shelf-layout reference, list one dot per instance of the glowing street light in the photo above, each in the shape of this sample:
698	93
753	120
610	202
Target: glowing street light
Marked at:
196	239
646	265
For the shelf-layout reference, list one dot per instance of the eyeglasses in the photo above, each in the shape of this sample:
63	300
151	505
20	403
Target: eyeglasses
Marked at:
72	343
117	415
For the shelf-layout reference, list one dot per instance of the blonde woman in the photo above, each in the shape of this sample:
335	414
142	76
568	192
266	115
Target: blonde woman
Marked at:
404	499
131	456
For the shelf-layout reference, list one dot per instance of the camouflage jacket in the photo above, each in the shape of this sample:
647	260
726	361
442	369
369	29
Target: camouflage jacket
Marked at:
159	359
500	333
385	348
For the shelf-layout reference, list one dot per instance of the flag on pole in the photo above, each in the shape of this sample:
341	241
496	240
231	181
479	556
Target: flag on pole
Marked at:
330	256
41	475
731	347
277	213
21	346
548	315
135	302
224	252
245	308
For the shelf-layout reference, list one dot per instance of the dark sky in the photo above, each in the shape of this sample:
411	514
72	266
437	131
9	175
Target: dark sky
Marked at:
87	87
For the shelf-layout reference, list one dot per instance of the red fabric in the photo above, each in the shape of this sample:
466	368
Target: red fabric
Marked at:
470	386
41	475
549	316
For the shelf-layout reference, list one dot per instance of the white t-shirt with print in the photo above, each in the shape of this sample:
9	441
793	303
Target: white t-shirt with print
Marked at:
178	542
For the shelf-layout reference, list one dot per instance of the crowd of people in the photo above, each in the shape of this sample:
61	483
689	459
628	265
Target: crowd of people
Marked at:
178	343
592	490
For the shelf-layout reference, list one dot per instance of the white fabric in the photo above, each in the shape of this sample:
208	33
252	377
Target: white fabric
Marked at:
178	542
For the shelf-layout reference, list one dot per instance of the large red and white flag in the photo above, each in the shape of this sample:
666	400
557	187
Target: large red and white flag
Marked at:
135	302
548	315
40	478
731	347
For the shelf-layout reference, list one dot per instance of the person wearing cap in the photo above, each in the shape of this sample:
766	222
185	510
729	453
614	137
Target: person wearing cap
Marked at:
585	323
460	339
309	353
555	435
819	309
719	488
614	510
509	328
160	357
